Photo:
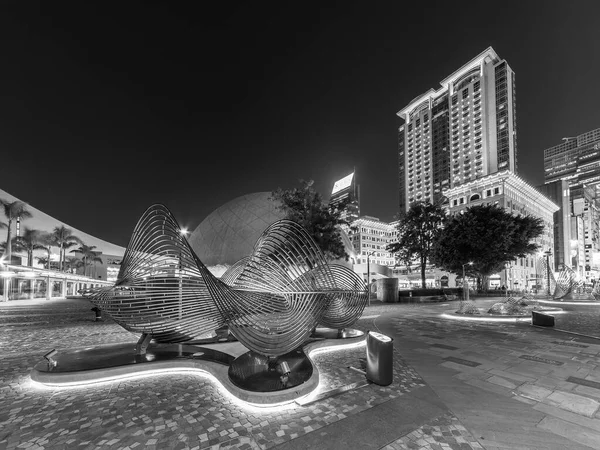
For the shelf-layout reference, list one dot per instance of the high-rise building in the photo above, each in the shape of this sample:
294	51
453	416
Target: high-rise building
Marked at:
461	132
577	162
343	190
558	192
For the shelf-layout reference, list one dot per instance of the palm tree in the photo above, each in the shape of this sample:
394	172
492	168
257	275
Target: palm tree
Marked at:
46	241
72	263
13	211
43	260
28	242
87	253
95	258
64	239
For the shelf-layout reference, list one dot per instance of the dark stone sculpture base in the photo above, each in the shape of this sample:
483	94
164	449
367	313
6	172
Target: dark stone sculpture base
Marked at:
258	373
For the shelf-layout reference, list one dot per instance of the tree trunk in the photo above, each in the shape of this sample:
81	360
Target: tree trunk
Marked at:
485	282
8	243
423	264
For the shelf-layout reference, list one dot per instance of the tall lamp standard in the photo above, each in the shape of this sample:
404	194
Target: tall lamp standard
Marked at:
369	276
465	284
548	254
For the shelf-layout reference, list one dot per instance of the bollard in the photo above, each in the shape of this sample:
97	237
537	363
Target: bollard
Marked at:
380	358
98	312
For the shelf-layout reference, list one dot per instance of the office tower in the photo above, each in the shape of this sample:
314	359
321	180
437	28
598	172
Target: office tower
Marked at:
577	161
558	192
463	131
346	189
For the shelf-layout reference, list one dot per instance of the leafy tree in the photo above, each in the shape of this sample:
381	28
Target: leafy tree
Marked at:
64	238
13	211
305	206
28	242
417	231
488	236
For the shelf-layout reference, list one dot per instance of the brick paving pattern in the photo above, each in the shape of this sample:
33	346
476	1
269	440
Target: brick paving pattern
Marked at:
444	433
165	411
505	386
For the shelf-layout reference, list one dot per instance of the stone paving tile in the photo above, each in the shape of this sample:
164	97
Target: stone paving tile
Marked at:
445	432
166	411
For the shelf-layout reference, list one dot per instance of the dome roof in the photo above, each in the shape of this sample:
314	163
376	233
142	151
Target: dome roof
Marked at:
229	233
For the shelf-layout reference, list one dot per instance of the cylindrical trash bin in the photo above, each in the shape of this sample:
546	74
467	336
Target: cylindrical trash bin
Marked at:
380	358
387	290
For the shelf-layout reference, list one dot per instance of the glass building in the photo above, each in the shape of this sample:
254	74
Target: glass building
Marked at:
576	161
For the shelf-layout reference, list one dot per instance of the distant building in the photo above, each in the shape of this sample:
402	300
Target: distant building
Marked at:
23	282
558	192
577	162
510	192
347	189
369	237
461	132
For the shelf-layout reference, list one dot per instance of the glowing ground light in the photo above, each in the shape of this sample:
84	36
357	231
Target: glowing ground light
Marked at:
485	319
560	302
253	407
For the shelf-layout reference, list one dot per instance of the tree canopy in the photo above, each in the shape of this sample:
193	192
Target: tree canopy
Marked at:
305	206
13	211
417	231
487	236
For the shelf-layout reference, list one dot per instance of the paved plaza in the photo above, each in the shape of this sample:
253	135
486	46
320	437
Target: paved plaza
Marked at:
457	385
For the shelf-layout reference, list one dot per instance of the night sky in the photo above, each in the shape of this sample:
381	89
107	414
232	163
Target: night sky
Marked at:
107	108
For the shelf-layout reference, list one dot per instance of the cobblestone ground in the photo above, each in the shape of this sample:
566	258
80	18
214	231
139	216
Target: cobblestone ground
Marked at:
444	433
162	412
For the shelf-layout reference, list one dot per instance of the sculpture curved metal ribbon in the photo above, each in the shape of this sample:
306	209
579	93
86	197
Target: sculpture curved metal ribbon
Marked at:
568	285
271	301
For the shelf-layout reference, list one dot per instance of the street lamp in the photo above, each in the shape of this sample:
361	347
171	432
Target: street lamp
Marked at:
369	276
548	254
465	284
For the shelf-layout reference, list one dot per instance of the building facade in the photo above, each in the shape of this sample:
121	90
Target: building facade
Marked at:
343	190
576	161
461	132
369	237
558	192
510	192
20	281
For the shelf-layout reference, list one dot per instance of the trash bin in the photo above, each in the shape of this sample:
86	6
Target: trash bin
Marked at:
380	358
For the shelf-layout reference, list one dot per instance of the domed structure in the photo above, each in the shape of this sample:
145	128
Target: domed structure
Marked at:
229	233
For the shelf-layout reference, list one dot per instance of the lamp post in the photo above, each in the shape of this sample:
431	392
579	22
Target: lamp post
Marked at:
369	276
465	284
548	254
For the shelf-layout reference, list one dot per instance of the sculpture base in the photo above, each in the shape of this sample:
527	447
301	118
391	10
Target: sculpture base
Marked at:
257	373
332	333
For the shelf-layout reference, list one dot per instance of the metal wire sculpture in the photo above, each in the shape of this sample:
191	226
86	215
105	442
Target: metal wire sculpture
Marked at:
568	285
271	301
